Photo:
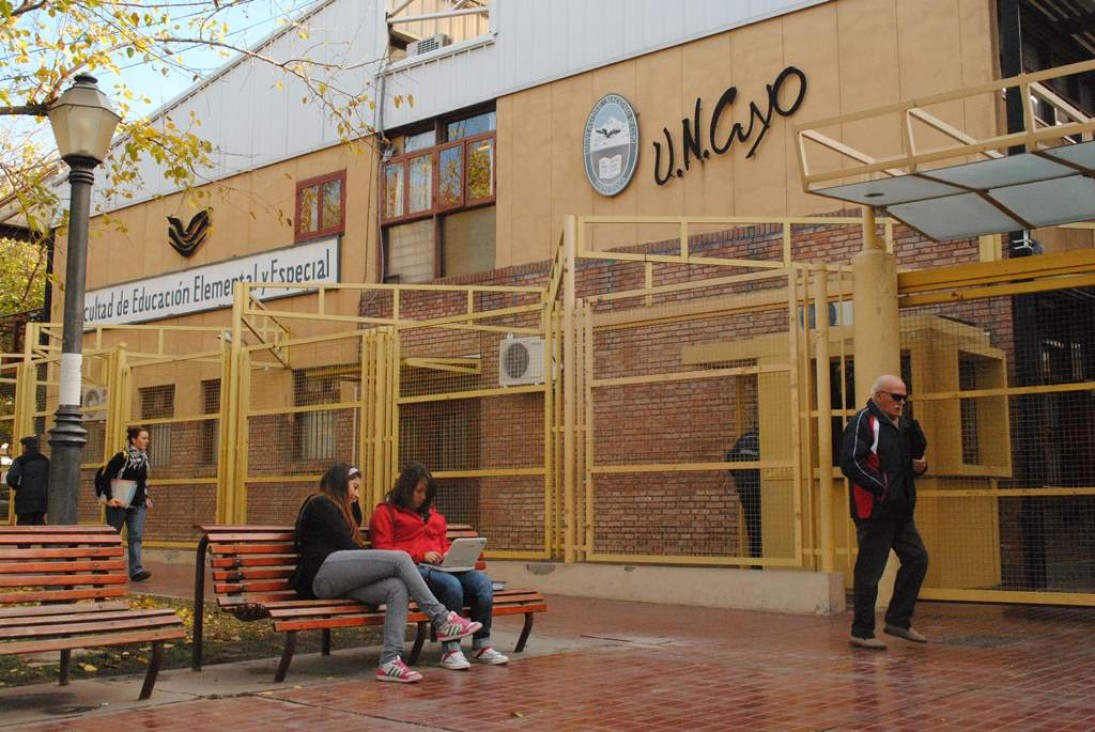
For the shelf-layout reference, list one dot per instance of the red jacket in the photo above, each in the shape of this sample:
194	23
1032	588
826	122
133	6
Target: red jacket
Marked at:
395	527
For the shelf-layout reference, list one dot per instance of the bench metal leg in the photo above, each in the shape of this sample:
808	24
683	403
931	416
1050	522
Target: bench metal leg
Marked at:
66	663
153	670
199	604
325	644
524	634
286	655
419	639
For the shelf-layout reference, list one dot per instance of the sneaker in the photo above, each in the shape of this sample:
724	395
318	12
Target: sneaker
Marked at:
456	627
398	672
489	656
872	643
141	576
907	633
454	661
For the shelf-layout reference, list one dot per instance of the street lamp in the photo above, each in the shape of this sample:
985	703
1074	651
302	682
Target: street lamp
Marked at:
83	123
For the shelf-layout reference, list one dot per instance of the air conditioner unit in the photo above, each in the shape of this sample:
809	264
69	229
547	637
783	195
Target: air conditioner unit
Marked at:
93	400
521	361
428	44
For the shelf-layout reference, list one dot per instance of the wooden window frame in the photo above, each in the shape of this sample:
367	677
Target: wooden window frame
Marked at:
319	182
436	209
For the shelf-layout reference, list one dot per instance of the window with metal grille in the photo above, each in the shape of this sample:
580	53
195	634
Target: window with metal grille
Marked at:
315	432
210	428
158	402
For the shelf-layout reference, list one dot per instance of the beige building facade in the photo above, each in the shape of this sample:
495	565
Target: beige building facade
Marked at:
471	186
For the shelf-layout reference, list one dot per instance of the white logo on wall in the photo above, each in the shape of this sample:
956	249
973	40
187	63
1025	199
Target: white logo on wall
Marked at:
611	144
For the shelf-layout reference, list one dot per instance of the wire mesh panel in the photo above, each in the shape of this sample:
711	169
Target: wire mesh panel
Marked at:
301	414
472	401
692	416
1004	389
172	387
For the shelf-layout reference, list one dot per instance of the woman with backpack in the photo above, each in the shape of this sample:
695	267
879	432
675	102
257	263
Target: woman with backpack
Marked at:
127	472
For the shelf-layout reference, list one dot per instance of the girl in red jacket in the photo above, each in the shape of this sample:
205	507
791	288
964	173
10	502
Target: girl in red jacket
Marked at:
406	521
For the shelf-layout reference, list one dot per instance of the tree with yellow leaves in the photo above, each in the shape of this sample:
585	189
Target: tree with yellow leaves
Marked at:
44	44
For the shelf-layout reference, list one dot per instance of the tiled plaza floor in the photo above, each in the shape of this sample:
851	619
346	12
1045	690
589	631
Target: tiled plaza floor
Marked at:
601	665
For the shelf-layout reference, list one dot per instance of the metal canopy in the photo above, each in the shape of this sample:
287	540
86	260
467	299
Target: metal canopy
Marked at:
942	194
1025	191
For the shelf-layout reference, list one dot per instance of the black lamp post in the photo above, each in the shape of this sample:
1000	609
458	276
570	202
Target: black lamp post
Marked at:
83	123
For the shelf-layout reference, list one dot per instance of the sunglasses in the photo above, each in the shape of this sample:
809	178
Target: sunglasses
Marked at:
896	397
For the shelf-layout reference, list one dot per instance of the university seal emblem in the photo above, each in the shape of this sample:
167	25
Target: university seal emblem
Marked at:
611	144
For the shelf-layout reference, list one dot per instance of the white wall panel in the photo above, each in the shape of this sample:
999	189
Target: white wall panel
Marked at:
537	42
252	124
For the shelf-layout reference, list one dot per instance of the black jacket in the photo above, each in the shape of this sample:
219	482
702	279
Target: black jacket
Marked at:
321	530
117	467
29	476
876	456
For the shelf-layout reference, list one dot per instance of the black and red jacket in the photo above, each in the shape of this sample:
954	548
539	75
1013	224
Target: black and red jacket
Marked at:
876	457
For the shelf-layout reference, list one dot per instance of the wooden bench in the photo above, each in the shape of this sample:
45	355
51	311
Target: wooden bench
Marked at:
58	592
251	567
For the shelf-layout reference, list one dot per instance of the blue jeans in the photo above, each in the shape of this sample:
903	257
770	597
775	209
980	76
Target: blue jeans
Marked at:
133	518
456	589
378	577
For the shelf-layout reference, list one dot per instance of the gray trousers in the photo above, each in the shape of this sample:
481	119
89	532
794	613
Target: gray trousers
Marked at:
378	577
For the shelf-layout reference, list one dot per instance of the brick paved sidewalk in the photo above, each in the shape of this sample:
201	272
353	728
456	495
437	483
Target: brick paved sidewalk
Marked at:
601	665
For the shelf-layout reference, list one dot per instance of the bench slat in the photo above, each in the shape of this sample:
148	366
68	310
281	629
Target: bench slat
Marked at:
265	571
40	552
61	580
119	611
228	602
233	549
85	625
99	593
91	641
53	537
262	560
58	567
50	610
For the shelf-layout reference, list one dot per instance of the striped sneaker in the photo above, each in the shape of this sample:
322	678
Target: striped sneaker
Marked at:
456	627
490	656
397	672
454	661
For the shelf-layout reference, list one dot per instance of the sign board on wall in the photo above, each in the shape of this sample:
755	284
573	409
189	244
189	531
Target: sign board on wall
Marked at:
210	287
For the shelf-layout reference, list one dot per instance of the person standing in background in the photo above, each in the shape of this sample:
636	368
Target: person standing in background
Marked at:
29	478
747	483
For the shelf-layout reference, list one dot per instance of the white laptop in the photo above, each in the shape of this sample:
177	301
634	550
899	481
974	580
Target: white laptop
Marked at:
463	554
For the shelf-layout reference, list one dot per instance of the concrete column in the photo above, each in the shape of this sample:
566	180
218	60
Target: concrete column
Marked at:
876	329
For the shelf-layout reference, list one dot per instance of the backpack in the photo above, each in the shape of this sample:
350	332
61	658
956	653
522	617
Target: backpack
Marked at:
102	481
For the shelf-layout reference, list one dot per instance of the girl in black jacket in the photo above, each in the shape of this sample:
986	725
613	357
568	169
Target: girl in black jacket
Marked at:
130	465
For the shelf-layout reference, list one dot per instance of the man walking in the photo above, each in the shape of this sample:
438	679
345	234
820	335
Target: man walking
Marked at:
881	453
29	477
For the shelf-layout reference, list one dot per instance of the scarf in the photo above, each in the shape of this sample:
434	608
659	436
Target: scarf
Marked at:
135	459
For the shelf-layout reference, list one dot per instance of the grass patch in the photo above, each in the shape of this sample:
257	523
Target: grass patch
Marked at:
227	640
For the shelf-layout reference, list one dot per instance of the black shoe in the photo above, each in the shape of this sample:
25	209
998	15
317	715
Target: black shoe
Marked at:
141	576
872	643
907	633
